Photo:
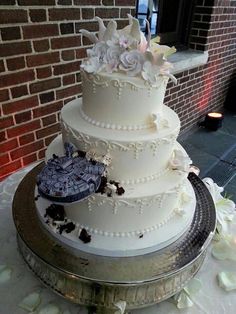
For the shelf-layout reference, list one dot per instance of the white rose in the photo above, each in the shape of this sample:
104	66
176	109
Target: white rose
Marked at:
131	62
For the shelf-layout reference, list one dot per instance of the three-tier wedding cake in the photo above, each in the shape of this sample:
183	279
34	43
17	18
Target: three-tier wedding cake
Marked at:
144	201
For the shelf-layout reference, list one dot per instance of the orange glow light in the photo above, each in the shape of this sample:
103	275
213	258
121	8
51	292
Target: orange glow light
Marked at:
214	115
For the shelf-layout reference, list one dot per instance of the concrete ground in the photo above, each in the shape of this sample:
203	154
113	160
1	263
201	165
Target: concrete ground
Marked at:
214	152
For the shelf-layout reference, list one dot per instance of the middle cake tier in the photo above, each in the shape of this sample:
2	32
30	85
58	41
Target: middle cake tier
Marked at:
136	156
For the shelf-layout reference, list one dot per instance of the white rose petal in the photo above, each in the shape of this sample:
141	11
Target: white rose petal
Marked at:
121	305
50	309
5	273
227	280
30	302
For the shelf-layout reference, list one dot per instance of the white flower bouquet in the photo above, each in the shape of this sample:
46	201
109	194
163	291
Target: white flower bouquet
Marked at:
128	51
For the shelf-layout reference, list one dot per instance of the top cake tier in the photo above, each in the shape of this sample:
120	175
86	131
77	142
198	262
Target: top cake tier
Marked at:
124	77
121	102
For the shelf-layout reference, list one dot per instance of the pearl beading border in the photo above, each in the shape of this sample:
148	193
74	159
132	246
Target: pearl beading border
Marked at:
115	126
114	234
145	179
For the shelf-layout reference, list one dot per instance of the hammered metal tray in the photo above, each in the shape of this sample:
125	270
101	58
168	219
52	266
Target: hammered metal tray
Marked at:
100	281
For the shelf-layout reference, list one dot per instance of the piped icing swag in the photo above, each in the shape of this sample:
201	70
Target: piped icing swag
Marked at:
127	51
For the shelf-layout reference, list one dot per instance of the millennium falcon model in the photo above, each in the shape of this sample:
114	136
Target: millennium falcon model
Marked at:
69	178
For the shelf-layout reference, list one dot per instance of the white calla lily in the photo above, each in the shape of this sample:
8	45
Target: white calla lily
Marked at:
225	208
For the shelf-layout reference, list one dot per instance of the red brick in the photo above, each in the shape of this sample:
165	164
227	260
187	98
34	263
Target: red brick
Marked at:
46	110
87	13
66	42
36	2
26	149
6	122
124	12
67	28
45	85
52	129
16	48
129	3
10	33
41	154
24	128
68	55
44	72
90	26
37	31
9	168
29	159
15	63
16	78
108	2
13	16
3	136
64	14
4	96
7	2
81	53
41	59
67	68
64	2
23	117
46	97
37	15
87	2
27	138
7	146
2	66
68	79
19	91
4	159
19	105
49	120
106	13
69	91
41	45
49	139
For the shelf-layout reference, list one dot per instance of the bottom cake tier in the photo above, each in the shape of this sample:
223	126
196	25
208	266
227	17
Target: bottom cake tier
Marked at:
147	217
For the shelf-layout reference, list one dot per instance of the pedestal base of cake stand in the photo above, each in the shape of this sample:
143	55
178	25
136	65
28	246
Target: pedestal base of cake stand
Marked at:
100	281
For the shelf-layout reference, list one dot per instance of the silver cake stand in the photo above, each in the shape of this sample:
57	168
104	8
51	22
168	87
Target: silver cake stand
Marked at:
99	281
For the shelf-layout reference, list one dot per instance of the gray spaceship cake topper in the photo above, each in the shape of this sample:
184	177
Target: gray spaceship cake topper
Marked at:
70	178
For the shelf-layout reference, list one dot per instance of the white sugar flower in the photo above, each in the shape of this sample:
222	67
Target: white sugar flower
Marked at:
92	65
112	58
150	72
159	121
99	50
180	161
225	208
131	62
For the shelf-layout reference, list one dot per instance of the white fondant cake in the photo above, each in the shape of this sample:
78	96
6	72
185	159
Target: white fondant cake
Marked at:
122	116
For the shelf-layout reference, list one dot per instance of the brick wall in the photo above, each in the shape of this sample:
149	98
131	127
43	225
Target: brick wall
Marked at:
204	88
40	55
41	50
